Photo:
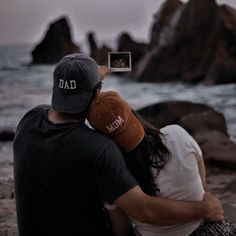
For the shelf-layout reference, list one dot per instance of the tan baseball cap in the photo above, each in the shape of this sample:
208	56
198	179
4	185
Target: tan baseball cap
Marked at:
110	114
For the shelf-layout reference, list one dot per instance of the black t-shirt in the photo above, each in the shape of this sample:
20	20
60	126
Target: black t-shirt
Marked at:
63	173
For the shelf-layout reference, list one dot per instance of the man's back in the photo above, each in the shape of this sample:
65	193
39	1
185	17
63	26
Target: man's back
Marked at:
56	169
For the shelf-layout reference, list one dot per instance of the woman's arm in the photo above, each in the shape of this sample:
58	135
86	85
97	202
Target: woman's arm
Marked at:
202	172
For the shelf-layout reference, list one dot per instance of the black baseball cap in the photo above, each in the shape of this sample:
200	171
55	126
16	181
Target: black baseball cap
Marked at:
74	79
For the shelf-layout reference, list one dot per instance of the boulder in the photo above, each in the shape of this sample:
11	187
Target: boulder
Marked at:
56	43
204	121
206	125
6	135
171	112
217	148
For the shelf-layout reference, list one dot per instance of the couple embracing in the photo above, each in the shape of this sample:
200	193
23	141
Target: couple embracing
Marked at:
123	177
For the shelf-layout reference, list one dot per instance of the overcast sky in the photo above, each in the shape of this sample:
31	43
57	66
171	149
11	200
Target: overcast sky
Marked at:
25	21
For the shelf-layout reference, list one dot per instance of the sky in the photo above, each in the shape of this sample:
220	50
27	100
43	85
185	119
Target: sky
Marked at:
26	21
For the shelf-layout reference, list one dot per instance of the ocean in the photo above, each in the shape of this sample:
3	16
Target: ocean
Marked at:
22	87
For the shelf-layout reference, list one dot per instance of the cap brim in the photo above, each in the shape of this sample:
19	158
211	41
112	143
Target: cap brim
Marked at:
75	103
130	137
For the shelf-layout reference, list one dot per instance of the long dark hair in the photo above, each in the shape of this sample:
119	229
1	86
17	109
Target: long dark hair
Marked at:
150	154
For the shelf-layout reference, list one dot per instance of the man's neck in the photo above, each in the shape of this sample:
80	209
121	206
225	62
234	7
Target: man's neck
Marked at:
59	118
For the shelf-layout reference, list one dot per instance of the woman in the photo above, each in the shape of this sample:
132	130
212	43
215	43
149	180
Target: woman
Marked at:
167	162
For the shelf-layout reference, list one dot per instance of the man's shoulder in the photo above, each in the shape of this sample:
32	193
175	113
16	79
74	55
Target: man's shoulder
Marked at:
31	113
37	109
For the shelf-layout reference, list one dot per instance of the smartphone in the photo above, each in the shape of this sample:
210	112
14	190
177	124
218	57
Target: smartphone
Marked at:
119	61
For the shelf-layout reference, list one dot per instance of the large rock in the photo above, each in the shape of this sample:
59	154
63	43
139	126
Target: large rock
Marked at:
193	43
204	121
206	125
7	135
56	43
217	148
164	22
172	112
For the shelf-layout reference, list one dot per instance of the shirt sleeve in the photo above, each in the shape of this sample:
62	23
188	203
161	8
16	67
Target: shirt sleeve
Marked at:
196	148
112	176
191	142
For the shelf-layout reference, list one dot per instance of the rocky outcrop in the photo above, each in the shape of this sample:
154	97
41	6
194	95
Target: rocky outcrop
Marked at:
217	148
6	135
192	42
205	124
56	43
163	27
127	44
99	54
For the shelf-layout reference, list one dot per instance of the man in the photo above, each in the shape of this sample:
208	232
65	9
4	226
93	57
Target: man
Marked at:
64	170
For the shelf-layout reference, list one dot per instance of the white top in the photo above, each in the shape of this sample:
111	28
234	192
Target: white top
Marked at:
179	180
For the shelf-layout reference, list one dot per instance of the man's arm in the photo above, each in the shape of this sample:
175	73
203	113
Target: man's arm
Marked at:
162	211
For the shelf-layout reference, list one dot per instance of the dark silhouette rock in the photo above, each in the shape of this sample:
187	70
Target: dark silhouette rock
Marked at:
92	45
99	54
56	43
163	26
6	135
171	112
206	125
127	44
218	150
192	42
204	121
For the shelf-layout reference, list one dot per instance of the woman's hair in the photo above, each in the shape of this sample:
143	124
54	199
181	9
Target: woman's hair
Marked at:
150	153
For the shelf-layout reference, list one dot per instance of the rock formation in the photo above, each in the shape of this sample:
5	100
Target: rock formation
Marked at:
206	125
127	43
192	42
163	27
99	54
6	135
56	43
